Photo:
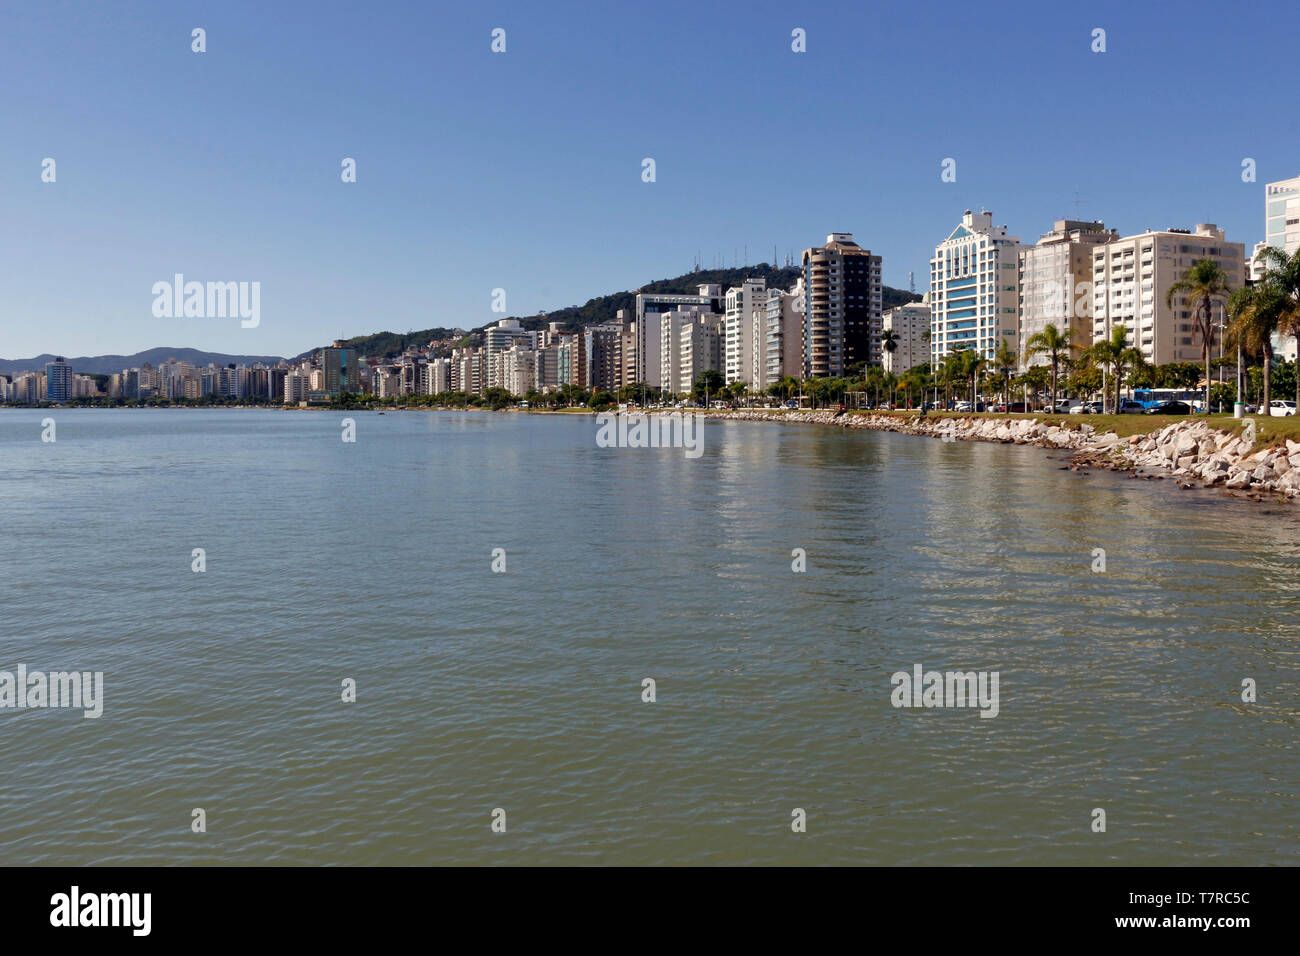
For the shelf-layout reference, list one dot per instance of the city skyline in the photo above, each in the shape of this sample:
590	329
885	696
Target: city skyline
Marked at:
226	167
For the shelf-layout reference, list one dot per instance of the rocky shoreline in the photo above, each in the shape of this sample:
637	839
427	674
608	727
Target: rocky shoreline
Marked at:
1189	451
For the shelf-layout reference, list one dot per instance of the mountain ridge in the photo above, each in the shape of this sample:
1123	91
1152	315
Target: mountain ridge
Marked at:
108	364
384	345
600	309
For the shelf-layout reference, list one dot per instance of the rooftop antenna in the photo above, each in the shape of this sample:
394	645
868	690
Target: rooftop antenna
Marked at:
911	282
1077	203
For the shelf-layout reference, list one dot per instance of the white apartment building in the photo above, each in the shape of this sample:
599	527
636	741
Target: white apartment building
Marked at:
700	349
497	339
1131	277
1282	231
387	381
670	341
518	369
467	371
975	288
1282	215
745	305
296	387
646	354
1255	264
29	387
435	375
910	324
782	349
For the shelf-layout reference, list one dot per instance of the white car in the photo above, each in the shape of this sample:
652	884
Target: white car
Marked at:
1279	408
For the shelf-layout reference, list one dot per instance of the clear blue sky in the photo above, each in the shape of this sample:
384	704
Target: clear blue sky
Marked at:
522	170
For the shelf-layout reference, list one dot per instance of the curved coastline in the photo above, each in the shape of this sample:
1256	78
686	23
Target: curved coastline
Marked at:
1190	451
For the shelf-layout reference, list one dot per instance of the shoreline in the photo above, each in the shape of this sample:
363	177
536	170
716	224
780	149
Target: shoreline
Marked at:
1190	451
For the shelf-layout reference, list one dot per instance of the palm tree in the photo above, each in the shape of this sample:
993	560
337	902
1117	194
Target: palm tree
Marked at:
913	379
948	372
1108	353
1282	276
891	383
1254	313
969	364
1055	344
1005	361
1129	360
1204	283
888	341
874	380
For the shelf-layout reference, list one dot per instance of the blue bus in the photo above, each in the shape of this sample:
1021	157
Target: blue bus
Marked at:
1151	397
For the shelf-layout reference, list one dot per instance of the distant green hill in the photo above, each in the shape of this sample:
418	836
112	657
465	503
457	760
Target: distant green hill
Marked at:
603	308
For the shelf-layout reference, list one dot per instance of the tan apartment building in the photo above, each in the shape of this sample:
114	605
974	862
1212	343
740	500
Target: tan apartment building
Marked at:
1131	278
1053	273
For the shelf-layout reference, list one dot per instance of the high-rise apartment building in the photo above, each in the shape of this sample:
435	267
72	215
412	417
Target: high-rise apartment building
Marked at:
340	366
782	349
842	306
1282	215
700	349
58	380
570	360
745	305
603	359
647	348
910	324
497	339
1131	277
975	288
1282	231
1055	276
671	325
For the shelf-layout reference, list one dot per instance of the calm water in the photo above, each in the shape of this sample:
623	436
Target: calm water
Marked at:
522	690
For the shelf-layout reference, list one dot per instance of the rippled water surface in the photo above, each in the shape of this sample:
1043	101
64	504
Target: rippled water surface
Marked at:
522	690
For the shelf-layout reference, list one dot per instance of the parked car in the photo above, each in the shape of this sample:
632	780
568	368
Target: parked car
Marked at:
1170	408
1129	407
1280	408
961	407
792	404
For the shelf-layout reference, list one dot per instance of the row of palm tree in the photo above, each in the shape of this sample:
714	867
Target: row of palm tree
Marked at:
1270	306
1113	354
